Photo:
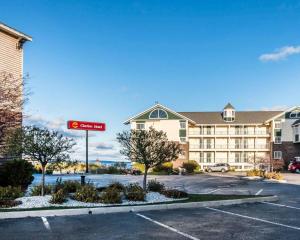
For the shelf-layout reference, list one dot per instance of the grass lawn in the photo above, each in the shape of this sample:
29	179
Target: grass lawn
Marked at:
191	198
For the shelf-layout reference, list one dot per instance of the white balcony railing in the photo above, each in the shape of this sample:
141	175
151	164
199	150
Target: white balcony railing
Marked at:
225	133
230	146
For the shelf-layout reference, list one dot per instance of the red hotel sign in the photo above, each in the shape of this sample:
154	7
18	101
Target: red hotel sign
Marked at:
91	126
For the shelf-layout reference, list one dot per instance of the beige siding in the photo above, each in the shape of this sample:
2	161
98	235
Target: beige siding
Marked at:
11	58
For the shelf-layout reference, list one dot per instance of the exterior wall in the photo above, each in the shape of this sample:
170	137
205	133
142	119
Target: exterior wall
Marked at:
289	149
171	127
11	58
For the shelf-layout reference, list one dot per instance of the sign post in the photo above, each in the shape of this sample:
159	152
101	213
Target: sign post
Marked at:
86	151
87	126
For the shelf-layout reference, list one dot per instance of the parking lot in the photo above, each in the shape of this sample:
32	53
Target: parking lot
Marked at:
248	221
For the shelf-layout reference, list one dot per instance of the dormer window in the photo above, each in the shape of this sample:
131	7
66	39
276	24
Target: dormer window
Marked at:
295	114
158	114
229	113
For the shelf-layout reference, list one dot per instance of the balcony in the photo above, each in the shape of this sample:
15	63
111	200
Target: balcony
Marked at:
229	147
231	133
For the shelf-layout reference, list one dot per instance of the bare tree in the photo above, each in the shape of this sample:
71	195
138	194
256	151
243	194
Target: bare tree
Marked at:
13	96
148	147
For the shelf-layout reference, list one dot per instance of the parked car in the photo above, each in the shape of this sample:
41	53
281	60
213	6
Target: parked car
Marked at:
135	171
294	166
220	167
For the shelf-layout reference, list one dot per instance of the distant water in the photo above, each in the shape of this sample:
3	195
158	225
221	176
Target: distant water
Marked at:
109	163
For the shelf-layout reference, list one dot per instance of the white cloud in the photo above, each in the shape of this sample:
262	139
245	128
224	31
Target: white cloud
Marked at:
280	54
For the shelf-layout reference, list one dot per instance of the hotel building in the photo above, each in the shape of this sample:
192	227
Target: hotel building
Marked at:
11	68
243	139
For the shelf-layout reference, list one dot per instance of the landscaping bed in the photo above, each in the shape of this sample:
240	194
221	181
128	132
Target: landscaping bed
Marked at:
191	198
70	194
44	202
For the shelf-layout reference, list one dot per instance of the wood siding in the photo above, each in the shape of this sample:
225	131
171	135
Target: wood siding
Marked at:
11	57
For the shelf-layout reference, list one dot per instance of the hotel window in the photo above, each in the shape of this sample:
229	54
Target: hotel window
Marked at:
277	133
237	157
237	143
278	140
158	114
140	126
208	157
208	130
182	124
183	139
277	125
208	143
237	130
246	157
277	155
295	114
246	143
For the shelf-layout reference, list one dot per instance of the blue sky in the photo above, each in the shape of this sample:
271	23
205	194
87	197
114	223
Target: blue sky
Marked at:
107	60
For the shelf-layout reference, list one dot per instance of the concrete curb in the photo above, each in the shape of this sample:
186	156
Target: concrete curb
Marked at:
103	210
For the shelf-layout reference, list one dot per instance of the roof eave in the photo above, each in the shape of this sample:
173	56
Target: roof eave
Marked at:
280	114
155	106
15	32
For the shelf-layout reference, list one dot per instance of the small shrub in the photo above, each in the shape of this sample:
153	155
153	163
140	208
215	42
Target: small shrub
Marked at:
71	186
16	173
9	203
117	186
10	193
155	186
87	193
37	190
190	166
174	193
273	175
58	197
111	195
255	173
166	168
134	192
58	185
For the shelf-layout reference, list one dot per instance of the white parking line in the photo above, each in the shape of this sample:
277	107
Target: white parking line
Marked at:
253	218
168	227
282	205
259	192
46	223
212	191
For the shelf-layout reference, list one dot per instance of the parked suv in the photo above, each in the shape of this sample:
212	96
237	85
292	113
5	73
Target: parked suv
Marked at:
294	166
220	167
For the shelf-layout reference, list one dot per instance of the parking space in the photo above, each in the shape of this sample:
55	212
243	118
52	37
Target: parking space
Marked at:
248	221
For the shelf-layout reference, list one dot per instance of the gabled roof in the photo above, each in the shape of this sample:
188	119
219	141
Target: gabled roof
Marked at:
281	113
15	32
296	123
242	117
229	106
162	107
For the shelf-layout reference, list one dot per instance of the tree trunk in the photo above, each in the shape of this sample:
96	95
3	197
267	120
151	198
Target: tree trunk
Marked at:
145	179
43	180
